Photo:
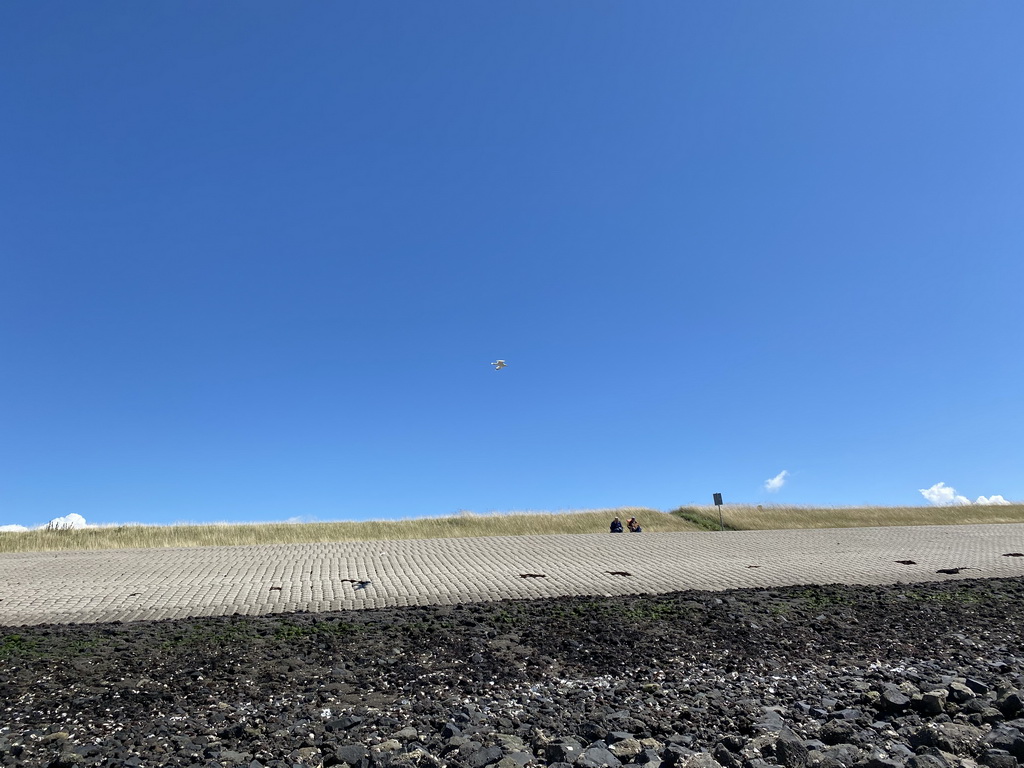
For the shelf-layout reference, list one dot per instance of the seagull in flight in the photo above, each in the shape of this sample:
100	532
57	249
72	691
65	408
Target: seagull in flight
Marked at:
499	364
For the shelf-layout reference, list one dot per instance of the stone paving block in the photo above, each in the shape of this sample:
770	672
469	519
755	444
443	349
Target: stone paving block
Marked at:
124	585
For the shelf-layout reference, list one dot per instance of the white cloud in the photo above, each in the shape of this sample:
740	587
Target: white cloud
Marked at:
996	499
65	523
942	495
773	484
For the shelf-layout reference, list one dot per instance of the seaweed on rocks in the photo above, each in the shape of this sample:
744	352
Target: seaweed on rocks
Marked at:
926	675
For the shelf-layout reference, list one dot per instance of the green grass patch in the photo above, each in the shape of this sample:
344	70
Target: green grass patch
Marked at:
702	519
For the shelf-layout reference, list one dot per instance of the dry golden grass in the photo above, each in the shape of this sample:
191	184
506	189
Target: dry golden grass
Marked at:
692	518
756	518
465	524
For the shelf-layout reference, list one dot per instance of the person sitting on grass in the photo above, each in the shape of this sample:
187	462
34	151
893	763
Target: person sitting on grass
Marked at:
634	526
616	526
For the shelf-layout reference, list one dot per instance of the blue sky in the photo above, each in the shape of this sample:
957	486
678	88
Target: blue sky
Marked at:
255	259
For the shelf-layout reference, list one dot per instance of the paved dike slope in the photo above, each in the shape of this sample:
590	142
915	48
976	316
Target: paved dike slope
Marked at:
153	584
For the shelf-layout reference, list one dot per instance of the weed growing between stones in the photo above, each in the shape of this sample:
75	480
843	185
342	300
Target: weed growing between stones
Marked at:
17	645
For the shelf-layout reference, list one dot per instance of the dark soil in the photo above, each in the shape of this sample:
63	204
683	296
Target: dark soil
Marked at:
829	676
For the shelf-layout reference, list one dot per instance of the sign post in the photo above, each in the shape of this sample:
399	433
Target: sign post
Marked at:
718	503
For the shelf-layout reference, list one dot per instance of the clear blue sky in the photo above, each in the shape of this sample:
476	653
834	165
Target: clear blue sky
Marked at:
257	257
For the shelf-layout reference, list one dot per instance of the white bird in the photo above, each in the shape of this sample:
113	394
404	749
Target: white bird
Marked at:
499	364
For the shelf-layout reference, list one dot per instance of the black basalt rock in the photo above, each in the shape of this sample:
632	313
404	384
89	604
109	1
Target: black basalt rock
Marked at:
837	731
997	758
790	750
954	738
1008	738
563	751
892	699
1011	704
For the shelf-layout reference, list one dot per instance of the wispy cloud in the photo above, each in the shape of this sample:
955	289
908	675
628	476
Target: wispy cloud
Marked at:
301	519
774	483
942	495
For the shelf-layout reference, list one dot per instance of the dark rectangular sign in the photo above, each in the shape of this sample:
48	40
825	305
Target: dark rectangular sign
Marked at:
718	499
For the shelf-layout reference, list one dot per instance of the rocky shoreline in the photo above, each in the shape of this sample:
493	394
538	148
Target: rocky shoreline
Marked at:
919	676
